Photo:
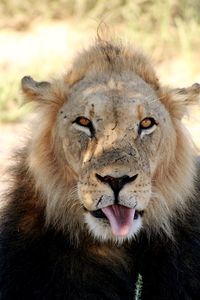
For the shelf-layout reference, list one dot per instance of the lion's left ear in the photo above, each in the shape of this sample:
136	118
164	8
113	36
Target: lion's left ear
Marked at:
34	90
179	99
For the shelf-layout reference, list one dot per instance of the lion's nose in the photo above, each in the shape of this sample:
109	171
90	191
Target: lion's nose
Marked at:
116	183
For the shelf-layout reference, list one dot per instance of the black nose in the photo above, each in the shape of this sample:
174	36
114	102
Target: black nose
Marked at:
116	183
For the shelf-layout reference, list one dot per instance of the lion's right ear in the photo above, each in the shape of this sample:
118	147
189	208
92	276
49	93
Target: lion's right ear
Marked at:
34	90
178	100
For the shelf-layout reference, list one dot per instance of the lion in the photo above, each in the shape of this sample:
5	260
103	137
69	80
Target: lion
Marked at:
106	188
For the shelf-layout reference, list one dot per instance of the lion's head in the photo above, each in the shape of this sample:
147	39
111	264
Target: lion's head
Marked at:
109	151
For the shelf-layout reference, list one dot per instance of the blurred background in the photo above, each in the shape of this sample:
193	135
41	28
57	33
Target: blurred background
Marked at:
39	38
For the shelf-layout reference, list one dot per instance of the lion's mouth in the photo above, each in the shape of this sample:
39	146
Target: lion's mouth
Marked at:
120	218
99	214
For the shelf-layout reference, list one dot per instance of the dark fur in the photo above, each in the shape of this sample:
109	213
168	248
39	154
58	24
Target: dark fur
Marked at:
40	263
171	270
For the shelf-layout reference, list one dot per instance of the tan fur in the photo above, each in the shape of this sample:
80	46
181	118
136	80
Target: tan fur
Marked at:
106	57
116	85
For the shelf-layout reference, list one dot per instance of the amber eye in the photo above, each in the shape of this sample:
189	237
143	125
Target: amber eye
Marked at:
147	123
85	122
82	121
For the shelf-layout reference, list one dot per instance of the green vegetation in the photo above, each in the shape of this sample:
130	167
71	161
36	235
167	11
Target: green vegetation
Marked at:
164	28
9	97
139	285
148	15
122	10
161	24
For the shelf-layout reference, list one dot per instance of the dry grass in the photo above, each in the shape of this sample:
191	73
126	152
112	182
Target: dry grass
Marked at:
169	30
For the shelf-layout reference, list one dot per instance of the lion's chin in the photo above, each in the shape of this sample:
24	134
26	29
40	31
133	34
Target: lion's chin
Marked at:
100	227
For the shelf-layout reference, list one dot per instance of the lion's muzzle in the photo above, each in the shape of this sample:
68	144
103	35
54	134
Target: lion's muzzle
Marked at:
116	183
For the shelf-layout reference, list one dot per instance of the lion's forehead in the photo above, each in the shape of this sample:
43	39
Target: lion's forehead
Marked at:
114	100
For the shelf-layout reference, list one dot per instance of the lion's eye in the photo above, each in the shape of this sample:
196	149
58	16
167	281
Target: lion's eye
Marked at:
86	125
147	124
82	121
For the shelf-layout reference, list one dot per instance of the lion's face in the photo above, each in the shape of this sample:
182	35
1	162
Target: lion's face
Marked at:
110	149
111	130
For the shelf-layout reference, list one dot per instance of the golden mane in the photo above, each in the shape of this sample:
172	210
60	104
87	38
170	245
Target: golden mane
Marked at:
108	57
173	181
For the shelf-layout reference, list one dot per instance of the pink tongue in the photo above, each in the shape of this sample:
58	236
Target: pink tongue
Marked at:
120	218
